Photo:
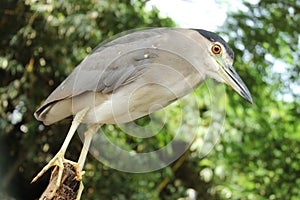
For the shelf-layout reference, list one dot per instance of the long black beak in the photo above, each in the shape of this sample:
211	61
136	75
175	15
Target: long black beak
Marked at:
232	79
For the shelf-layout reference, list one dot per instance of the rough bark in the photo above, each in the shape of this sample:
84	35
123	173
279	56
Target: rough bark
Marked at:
68	188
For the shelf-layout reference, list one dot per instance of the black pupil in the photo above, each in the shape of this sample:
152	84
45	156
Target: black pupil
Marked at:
217	49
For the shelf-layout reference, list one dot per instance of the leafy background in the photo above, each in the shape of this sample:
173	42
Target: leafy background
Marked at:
258	155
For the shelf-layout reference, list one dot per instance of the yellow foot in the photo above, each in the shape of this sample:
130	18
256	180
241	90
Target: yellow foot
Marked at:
57	160
67	186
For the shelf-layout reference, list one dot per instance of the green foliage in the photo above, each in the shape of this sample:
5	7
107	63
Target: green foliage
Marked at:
258	155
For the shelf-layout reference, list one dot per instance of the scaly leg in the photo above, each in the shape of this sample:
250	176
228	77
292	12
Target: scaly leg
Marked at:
86	145
80	189
59	158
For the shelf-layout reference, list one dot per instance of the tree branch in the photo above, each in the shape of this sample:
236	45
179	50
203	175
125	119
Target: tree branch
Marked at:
69	186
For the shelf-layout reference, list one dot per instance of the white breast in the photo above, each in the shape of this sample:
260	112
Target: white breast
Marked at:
155	89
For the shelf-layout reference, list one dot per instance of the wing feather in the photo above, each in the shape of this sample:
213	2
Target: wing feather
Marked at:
116	63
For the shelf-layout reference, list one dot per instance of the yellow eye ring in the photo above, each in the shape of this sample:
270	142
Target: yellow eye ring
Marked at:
216	49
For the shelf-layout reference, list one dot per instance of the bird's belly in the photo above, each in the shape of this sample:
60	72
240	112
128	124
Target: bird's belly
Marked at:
142	97
124	107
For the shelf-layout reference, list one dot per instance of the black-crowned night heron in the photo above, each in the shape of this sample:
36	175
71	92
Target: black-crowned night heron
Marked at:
134	75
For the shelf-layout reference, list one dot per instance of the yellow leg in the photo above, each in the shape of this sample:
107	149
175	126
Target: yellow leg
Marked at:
81	187
88	136
59	158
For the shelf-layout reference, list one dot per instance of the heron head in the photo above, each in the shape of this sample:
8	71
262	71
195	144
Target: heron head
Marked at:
219	60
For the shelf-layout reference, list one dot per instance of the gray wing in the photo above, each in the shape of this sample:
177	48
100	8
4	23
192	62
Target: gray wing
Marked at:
118	62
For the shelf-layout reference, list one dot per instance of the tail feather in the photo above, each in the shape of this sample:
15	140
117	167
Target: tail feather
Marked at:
54	112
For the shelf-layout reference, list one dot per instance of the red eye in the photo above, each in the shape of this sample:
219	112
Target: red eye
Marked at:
216	49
